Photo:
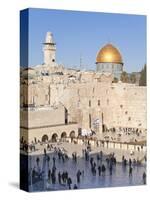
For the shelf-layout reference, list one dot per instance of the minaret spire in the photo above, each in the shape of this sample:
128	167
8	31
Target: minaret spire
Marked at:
49	50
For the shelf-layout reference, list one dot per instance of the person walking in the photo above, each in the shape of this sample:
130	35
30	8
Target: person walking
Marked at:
53	178
49	174
130	162
144	178
101	155
63	177
78	176
86	155
59	178
69	182
99	170
103	169
75	157
37	162
125	162
48	160
130	171
91	161
54	159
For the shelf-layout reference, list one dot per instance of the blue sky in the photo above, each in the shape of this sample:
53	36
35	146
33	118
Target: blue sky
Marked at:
84	33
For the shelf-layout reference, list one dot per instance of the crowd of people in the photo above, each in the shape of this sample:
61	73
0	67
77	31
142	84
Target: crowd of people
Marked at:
125	134
99	165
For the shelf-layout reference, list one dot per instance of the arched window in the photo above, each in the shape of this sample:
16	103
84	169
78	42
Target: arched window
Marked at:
44	138
63	135
54	137
72	134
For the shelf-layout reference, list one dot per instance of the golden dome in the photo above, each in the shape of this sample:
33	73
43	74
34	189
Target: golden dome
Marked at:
109	54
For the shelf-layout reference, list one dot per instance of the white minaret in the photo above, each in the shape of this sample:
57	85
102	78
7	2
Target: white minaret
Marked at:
49	50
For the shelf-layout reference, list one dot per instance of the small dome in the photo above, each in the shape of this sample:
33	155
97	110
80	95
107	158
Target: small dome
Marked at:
109	54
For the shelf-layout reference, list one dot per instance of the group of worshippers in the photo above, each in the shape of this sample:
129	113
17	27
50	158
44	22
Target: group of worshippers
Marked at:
97	167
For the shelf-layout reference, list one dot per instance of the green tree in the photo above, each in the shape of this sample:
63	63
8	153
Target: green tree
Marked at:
124	77
132	78
142	81
115	80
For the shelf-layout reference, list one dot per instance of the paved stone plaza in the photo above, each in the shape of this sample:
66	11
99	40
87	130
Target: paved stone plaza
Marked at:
119	177
71	147
120	173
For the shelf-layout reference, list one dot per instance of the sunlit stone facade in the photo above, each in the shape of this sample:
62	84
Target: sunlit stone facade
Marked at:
62	100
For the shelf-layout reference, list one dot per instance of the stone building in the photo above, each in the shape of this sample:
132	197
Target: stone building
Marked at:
58	102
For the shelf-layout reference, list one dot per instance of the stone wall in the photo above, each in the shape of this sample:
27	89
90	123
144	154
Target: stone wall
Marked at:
91	99
43	117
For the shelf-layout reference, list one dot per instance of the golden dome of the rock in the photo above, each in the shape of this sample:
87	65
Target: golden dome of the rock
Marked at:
109	54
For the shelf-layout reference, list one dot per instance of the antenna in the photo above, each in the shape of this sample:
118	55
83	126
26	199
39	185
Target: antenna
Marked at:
81	61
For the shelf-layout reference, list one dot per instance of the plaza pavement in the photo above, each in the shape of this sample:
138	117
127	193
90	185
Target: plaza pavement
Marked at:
71	147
